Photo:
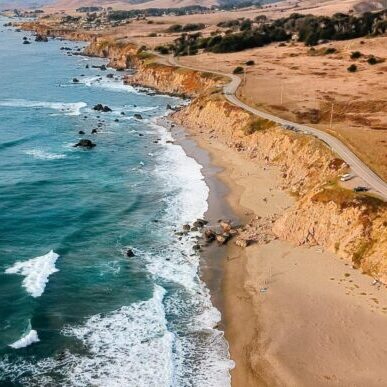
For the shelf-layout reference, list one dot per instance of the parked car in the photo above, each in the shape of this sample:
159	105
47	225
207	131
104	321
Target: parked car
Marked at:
361	189
346	177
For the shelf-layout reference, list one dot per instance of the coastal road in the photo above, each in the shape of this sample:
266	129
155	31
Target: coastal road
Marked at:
357	166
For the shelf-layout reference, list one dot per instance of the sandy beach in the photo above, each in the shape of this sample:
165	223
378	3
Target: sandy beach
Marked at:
293	316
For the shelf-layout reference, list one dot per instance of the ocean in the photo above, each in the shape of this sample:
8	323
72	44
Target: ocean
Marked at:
75	310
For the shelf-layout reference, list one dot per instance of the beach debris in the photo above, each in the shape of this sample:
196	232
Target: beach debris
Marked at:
137	116
101	108
130	253
84	143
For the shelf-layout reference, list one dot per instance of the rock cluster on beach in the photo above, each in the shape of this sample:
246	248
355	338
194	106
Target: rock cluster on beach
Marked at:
258	230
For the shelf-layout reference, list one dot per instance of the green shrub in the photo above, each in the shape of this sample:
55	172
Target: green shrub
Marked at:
238	70
330	50
372	60
356	55
352	68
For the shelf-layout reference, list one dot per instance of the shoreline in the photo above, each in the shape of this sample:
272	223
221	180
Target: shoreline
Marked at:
265	346
305	299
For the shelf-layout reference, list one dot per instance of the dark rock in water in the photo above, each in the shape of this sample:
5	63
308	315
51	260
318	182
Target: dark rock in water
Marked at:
110	76
170	142
41	38
122	113
84	143
137	116
18	30
94	131
75	80
186	227
196	248
116	120
141	135
87	66
26	42
169	107
25	38
7	24
130	253
200	223
103	68
99	124
81	132
100	108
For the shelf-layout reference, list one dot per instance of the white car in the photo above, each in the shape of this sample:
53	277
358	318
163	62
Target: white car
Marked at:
346	177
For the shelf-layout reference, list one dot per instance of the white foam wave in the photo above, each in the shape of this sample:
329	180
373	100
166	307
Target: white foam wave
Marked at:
43	155
201	353
109	84
30	338
130	346
36	272
70	109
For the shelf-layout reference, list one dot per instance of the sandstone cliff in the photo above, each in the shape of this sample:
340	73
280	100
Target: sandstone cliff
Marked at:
351	225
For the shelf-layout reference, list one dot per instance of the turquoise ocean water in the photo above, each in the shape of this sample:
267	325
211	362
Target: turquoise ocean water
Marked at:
74	310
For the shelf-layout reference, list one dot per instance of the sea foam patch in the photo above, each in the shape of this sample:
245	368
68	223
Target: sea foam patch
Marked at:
36	272
28	339
70	109
44	155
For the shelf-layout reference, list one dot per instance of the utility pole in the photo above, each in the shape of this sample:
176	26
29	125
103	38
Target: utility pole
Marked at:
331	119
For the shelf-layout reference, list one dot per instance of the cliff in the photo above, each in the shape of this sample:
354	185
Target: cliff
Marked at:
353	226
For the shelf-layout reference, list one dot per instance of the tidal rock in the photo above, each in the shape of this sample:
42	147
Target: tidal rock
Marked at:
94	131
137	116
26	42
41	38
101	108
81	132
186	227
169	107
222	239
122	113
110	76
209	235
116	120
200	223
75	80
84	143
130	253
87	66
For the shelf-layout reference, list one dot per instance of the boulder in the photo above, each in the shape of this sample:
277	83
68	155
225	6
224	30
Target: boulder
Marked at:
94	131
41	38
81	132
84	143
75	80
186	227
87	66
222	239
130	253
26	42
110	76
101	108
137	116
200	223
209	235
169	107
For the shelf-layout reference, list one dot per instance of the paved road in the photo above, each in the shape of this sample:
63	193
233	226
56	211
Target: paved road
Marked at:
357	166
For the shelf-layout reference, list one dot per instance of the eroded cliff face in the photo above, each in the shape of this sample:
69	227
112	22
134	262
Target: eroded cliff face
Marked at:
149	72
352	226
